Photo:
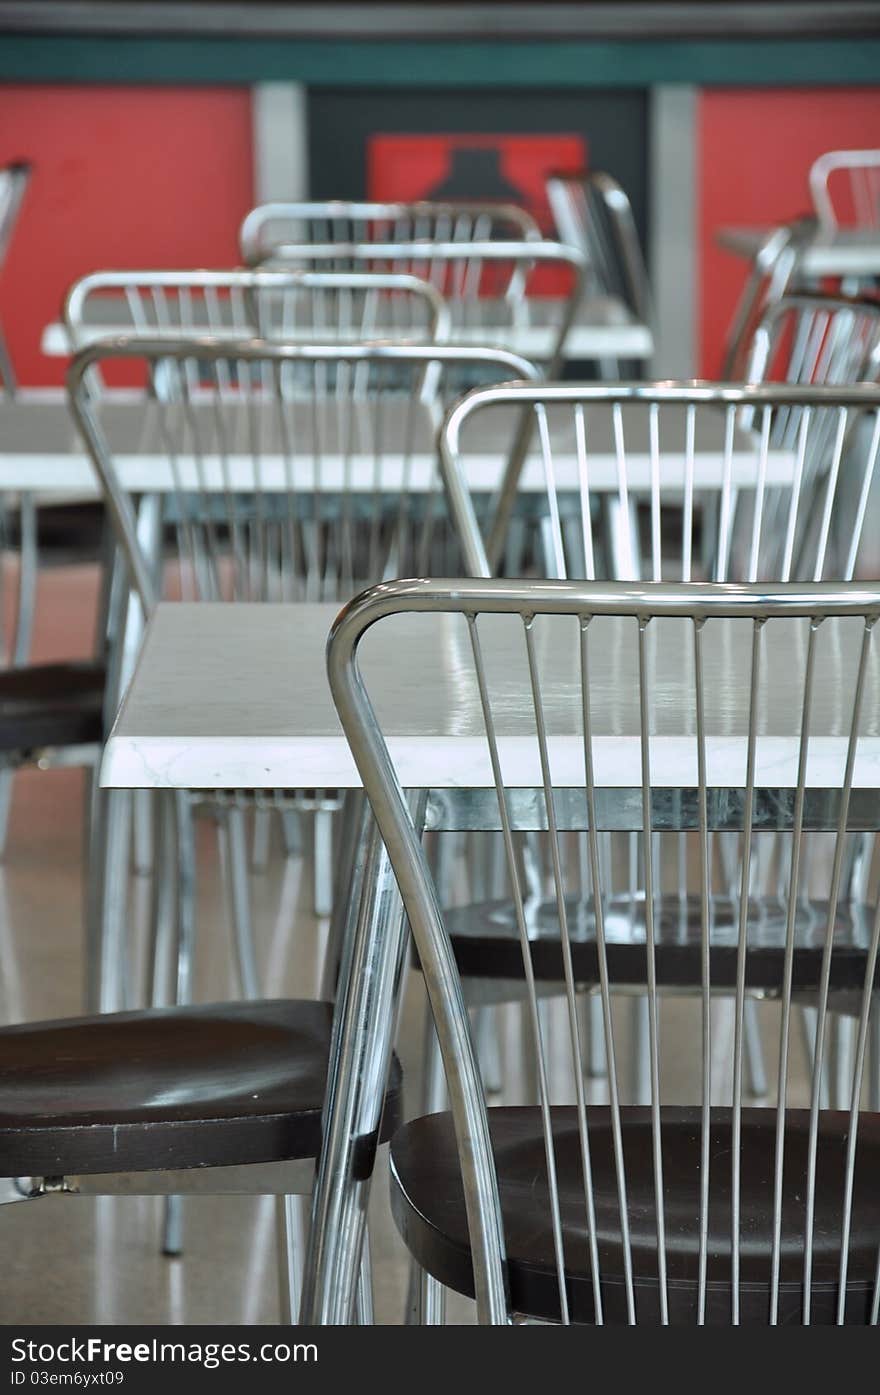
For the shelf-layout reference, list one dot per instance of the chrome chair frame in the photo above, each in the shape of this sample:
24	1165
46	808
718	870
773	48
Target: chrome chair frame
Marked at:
570	198
138	536
772	272
835	339
860	164
342	220
258	302
701	605
734	399
465	263
338	306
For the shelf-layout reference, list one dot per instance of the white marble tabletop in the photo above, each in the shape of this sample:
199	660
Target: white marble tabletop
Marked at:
847	252
41	450
236	696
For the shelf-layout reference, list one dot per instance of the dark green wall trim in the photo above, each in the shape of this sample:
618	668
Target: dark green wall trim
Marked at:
44	58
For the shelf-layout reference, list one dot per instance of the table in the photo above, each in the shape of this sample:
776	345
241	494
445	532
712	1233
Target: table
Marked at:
603	329
194	716
845	253
41	451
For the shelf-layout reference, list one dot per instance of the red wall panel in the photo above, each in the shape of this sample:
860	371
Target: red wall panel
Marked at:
755	151
123	177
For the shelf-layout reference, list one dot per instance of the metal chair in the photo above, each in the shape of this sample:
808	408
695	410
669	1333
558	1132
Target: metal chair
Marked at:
312	306
845	189
492	288
308	306
814	337
594	214
293	473
772	273
272	225
665	481
219	1098
695	1209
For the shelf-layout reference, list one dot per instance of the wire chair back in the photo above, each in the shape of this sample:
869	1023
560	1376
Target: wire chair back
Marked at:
594	213
771	274
492	288
311	306
845	189
812	337
286	472
590	706
725	494
272	225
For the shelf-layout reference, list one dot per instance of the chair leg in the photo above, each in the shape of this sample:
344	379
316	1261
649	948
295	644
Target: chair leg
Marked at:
597	1063
874	1062
488	1052
363	1294
291	1218
754	1049
428	1302
641	1046
143	832
26	602
178	835
107	900
291	828
323	862
260	845
239	891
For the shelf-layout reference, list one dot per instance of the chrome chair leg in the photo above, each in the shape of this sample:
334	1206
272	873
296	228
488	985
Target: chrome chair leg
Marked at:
291	1223
597	1063
641	1065
323	862
364	1315
25	609
261	840
291	828
143	832
874	1063
368	994
240	901
108	894
172	1227
430	1306
488	1051
187	900
754	1049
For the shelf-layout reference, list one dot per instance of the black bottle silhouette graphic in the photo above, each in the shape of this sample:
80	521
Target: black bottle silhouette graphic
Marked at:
475	173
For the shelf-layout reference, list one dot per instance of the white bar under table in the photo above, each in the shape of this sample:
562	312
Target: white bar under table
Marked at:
195	718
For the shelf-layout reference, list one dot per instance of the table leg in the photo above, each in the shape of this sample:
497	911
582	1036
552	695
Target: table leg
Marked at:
360	1055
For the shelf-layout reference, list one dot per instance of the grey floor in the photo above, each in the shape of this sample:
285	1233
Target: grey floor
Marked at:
77	1259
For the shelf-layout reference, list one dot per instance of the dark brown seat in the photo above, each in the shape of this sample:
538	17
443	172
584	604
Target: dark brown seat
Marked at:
428	1205
51	705
216	1085
486	943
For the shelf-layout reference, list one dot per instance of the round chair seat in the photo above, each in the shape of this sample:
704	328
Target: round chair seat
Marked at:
428	1206
207	1086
